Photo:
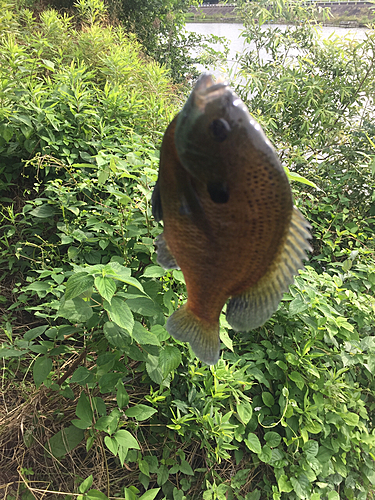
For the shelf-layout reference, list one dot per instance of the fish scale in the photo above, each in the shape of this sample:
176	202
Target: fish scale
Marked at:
229	220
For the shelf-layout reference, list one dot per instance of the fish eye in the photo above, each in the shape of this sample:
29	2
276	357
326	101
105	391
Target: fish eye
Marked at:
219	192
219	129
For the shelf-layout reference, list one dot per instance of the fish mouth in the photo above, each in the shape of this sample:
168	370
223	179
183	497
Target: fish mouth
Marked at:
206	90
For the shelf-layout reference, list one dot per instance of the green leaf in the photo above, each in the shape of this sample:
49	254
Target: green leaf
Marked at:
185	468
162	476
153	369
349	418
284	484
123	274
150	494
301	486
143	306
268	399
65	441
244	411
84	411
108	382
96	495
154	272
143	336
120	313
297	305
140	412
122	397
125	439
78	284
273	439
297	378
253	443
86	484
116	336
43	212
226	340
266	454
144	467
333	495
178	276
108	423
112	444
41	369
311	449
81	375
293	176
76	310
35	332
106	287
169	359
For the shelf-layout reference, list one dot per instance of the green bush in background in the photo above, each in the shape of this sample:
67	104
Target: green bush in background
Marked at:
110	404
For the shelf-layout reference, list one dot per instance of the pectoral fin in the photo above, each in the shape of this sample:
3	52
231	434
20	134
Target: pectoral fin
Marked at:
203	337
257	304
164	258
157	210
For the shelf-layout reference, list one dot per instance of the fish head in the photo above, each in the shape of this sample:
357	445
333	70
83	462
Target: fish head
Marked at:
212	128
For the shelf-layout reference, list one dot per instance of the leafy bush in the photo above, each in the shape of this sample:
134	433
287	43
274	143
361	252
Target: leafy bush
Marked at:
88	368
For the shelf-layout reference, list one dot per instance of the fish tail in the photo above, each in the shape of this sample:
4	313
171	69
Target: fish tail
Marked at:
203	336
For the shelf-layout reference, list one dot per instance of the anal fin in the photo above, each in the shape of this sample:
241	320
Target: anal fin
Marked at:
203	337
256	305
164	256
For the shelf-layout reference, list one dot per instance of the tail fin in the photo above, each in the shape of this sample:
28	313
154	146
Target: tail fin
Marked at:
203	337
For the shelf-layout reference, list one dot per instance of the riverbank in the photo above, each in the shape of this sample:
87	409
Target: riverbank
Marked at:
346	14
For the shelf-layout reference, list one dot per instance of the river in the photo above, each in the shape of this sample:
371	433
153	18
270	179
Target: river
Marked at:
232	31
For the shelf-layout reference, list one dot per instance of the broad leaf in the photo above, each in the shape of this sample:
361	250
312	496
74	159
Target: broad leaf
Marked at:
253	443
41	369
142	336
273	439
120	313
65	441
154	272
140	412
75	310
150	494
125	439
116	336
245	411
311	449
106	287
78	284
169	359
268	399
35	332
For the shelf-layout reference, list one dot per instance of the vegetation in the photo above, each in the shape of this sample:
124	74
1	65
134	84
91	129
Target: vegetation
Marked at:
98	400
360	14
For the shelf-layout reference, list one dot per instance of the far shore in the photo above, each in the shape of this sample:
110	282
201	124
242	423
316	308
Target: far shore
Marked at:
344	15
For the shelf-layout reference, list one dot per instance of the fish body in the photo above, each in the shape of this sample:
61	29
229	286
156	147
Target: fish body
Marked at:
229	219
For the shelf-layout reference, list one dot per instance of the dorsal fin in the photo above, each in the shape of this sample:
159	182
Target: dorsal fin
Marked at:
256	305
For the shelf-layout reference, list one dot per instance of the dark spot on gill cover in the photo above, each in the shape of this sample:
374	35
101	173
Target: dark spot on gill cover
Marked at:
218	192
219	129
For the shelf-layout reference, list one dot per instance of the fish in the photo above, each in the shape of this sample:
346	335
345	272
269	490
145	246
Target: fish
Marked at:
229	220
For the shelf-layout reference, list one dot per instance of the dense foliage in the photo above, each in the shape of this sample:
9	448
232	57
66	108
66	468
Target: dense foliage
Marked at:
100	400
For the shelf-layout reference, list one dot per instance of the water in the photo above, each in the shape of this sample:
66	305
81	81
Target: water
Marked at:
232	31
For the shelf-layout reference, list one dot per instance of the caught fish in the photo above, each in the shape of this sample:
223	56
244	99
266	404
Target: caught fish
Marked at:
229	220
